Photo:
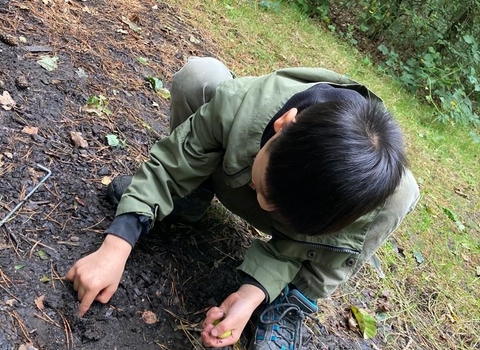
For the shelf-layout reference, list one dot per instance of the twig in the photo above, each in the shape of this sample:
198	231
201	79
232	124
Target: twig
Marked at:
94	225
75	244
57	276
47	319
21	325
68	331
48	171
9	293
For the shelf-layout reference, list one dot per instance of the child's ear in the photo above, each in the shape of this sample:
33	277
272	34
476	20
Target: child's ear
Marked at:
286	118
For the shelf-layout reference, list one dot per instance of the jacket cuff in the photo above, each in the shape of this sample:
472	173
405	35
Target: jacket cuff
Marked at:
129	227
272	271
247	279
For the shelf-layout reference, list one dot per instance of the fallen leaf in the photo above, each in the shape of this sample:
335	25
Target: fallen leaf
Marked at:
81	73
112	140
49	63
164	93
132	25
92	111
44	279
9	155
352	323
366	322
142	60
7	101
78	140
418	256
30	130
10	302
149	317
194	40
106	180
39	302
19	267
478	271
155	83
42	254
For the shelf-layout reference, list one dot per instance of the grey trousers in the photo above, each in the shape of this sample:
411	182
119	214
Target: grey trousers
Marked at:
195	84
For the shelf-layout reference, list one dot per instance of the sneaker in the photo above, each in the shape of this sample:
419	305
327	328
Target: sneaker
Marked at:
189	209
280	324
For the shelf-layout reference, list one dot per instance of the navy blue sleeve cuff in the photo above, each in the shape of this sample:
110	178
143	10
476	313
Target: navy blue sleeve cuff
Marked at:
129	227
247	279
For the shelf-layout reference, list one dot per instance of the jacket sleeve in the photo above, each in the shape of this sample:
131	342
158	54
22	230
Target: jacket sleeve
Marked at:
278	262
180	162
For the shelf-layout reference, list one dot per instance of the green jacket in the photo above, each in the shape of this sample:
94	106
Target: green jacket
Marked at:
226	133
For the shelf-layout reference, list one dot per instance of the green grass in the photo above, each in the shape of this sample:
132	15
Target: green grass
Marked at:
436	304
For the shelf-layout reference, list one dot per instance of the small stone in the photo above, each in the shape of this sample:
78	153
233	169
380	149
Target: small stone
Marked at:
149	317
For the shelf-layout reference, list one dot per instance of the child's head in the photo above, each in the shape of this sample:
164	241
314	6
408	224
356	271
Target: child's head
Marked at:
334	163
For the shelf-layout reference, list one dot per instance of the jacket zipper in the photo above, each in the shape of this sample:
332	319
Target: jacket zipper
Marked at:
319	245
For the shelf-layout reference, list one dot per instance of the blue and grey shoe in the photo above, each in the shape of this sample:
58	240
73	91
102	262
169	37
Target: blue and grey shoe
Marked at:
280	324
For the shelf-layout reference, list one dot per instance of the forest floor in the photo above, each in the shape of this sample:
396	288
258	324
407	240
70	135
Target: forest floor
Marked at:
78	108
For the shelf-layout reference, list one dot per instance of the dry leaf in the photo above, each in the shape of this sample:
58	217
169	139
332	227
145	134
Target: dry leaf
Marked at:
106	180
7	101
39	302
149	317
352	323
10	302
9	155
30	130
78	140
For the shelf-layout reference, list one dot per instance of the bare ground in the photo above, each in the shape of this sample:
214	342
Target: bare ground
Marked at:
105	50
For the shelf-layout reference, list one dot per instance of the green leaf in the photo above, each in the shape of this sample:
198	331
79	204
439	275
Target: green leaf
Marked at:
142	60
469	39
366	322
418	256
155	83
42	254
454	217
49	63
112	140
45	279
476	138
164	93
19	267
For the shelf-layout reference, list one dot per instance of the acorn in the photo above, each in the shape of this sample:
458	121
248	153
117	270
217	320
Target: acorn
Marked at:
8	39
22	82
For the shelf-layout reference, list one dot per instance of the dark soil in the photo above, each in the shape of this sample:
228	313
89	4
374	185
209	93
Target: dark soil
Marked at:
176	272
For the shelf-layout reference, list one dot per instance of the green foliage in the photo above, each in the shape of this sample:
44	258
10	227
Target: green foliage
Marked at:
320	8
270	5
99	104
429	46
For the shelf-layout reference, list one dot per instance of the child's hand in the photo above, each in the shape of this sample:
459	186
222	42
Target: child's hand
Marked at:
96	276
234	314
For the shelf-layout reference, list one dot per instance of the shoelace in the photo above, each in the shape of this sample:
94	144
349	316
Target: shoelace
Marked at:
288	308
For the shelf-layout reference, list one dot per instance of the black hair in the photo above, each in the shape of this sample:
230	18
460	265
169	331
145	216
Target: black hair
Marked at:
334	163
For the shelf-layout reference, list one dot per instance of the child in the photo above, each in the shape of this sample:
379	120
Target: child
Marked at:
304	154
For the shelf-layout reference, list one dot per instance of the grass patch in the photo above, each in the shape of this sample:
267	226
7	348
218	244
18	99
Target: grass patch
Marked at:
435	303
